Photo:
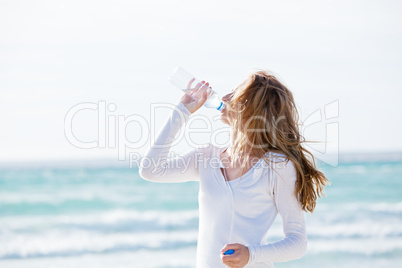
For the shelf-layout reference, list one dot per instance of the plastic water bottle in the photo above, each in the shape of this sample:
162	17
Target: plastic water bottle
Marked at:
181	79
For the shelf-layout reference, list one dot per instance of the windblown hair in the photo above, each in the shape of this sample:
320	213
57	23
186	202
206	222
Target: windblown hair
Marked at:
266	120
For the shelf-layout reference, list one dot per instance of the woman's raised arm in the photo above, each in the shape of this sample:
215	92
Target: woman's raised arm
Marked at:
155	165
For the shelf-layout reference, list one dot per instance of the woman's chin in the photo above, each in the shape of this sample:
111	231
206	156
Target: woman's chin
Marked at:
224	120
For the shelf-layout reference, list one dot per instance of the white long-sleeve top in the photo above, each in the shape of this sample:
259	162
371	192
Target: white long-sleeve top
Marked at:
238	211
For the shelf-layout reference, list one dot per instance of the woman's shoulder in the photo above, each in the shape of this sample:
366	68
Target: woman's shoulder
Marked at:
275	157
279	162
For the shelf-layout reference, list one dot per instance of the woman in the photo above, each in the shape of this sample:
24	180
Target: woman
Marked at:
264	171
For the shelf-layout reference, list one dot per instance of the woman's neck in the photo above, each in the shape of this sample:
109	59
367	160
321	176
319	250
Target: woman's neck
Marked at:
239	161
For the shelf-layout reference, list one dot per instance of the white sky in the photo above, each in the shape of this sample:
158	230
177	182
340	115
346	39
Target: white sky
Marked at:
57	54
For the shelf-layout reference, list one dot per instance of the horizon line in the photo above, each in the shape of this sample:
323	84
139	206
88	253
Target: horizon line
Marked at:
343	158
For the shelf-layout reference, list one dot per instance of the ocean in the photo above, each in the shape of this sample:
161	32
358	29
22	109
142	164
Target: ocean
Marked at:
94	216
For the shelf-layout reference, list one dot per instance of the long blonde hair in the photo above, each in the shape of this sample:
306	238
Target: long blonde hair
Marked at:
264	104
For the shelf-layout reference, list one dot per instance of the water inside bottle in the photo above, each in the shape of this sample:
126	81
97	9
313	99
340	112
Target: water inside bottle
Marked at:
182	79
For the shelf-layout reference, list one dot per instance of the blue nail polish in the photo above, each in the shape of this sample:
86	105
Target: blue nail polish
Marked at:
229	252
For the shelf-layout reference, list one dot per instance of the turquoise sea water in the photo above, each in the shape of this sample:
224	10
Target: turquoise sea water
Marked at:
110	217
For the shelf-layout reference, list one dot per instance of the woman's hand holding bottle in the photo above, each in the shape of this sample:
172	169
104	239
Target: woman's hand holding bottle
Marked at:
195	97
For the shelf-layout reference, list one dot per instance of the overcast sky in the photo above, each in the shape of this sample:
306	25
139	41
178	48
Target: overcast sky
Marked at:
55	55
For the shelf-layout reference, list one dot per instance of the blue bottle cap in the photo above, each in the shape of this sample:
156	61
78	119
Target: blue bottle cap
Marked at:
220	106
229	252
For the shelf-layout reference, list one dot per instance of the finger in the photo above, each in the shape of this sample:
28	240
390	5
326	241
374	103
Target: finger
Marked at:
230	246
190	93
204	97
235	246
226	247
232	264
237	255
226	258
190	83
205	85
205	88
199	91
195	92
193	95
199	84
232	258
210	92
203	92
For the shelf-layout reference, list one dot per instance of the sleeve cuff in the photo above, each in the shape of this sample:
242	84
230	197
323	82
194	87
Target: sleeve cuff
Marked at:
251	251
183	108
